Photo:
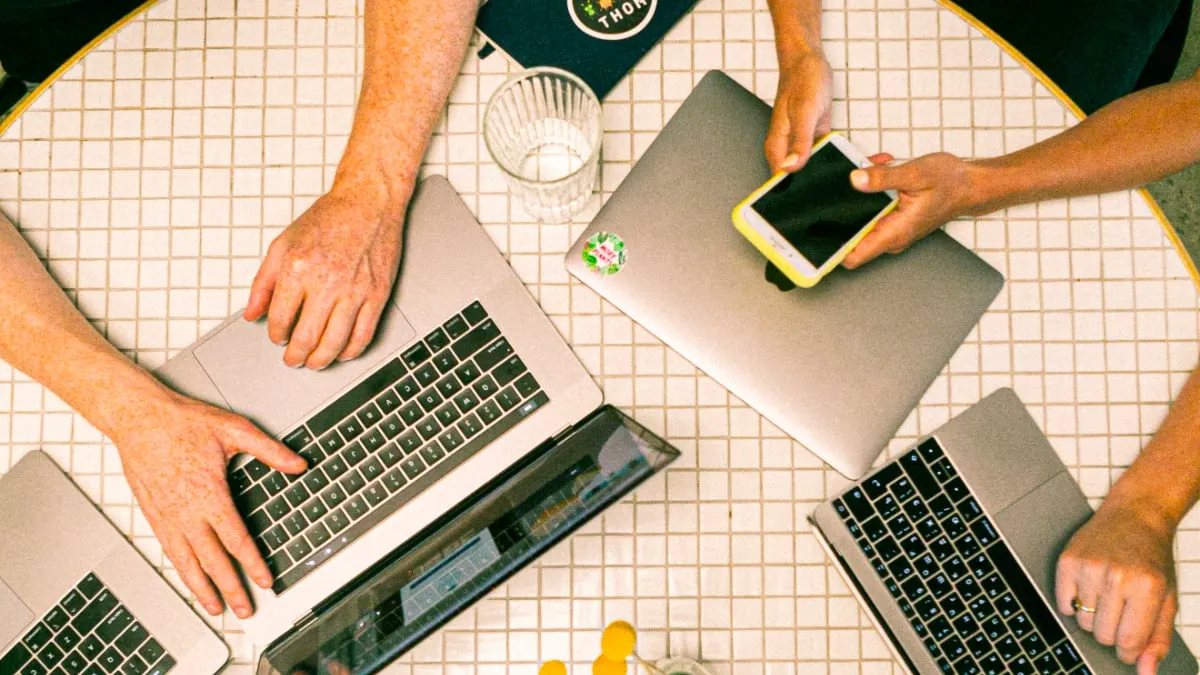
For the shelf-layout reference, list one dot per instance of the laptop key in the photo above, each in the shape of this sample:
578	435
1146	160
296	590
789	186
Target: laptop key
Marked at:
91	647
508	398
980	608
73	602
73	664
350	429
445	361
456	327
114	625
297	439
56	619
928	528
132	638
432	454
413	466
93	614
941	548
375	494
913	589
475	340
475	312
900	569
278	508
336	467
489	412
429	400
373	440
954	527
416	355
356	507
955	569
110	660
903	490
969	588
331	443
940	628
89	586
979	646
252	499
134	666
274	483
296	495
953	606
391	454
953	648
239	481
506	372
437	340
939	585
942	470
1045	664
333	496
161	668
887	548
1034	644
317	535
408	388
486	387
1066	655
984	533
992	665
411	414
900	526
447	414
925	566
994	586
887	507
1020	625
466	401
468	372
527	385
875	529
394	480
314	510
1008	648
426	374
314	453
354	454
428	427
451	440
392	426
315	480
493	354
50	655
256	469
877	484
371	469
919	474
966	666
965	625
275	537
67	639
388	401
337	521
941	506
410	442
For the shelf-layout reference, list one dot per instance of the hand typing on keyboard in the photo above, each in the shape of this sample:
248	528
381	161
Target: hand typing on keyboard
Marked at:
1121	564
175	452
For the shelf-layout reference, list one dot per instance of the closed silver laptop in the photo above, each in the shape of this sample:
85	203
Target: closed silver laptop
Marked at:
839	366
465	377
75	597
952	548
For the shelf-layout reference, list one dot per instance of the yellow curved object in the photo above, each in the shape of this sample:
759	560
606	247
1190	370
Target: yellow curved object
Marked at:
553	668
618	640
606	666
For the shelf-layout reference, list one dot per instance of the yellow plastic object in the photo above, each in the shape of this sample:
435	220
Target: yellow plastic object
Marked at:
606	666
618	641
553	668
772	253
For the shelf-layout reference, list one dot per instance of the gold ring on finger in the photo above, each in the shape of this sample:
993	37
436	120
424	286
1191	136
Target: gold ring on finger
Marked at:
1078	606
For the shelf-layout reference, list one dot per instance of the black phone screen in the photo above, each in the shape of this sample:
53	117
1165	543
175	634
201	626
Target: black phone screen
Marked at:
816	209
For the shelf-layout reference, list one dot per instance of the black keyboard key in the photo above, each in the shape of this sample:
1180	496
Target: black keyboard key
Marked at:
506	372
967	546
298	439
375	493
426	375
526	385
354	454
239	481
315	453
335	468
475	313
317	535
903	490
957	489
350	429
992	665
1034	644
932	646
72	664
1045	664
413	466
984	533
875	529
315	480
114	625
939	585
394	480
468	372
928	528
256	469
451	440
356	508
134	666
490	412
994	586
428	427
337	521
278	562
373	440
913	589
56	619
410	442
437	340
278	508
969	589
432	454
954	526
466	401
275	537
315	510
408	388
942	470
91	647
926	608
429	400
913	546
456	327
941	548
388	401
354	399
73	602
877	484
528	407
1008	648
470	425
110	660
51	655
392	426
296	495
475	340
858	504
369	415
131	639
445	361
1007	605
90	586
900	569
955	569
940	628
371	469
449	386
980	608
970	510
899	526
966	666
866	547
1020	625
980	566
94	613
67	639
1067	657
330	443
925	566
333	496
493	354
1021	666
508	398
887	548
411	413
391	454
941	506
953	606
275	483
1027	596
416	355
887	507
953	648
965	625
979	646
919	474
252	499
161	668
447	414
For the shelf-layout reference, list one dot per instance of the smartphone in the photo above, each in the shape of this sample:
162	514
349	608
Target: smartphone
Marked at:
807	222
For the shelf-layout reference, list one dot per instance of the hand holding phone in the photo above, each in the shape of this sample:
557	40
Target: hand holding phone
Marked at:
807	222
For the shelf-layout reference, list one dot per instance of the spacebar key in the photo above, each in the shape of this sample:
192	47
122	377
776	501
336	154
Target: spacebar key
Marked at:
1026	594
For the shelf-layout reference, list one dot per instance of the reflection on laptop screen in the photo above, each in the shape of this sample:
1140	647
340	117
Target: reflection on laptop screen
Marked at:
496	532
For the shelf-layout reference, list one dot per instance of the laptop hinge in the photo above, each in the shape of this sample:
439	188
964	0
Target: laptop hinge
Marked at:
306	619
562	433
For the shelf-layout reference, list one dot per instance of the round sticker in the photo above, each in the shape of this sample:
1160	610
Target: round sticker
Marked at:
604	253
611	19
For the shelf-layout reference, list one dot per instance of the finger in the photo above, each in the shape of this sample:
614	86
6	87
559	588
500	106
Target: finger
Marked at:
1137	623
264	283
179	552
336	336
881	158
1160	639
234	536
1109	608
885	236
215	562
314	318
1066	583
778	137
286	300
805	118
1091	583
364	329
242	436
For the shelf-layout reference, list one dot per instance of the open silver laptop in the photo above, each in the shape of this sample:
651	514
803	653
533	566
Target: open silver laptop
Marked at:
952	548
838	366
75	597
465	377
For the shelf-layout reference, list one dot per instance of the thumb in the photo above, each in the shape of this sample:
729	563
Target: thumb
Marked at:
245	437
1160	640
880	178
264	283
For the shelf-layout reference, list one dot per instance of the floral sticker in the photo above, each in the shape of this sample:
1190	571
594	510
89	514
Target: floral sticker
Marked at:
604	253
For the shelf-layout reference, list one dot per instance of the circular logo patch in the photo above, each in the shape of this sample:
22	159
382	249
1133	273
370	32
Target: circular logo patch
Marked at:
604	253
611	19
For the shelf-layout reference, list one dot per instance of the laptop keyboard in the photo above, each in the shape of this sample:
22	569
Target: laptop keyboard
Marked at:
385	441
952	575
88	632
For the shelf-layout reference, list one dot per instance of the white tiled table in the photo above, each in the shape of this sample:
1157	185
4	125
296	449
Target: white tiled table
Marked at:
152	176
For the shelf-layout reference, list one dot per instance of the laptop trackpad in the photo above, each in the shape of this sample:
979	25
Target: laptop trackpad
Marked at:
248	370
14	615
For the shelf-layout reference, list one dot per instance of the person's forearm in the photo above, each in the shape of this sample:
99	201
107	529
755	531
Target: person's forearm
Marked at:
43	335
1128	143
797	27
1164	481
413	52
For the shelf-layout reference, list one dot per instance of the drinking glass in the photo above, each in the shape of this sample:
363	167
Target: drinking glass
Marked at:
681	665
542	128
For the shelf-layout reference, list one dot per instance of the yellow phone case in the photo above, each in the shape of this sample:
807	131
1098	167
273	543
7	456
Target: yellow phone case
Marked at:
773	254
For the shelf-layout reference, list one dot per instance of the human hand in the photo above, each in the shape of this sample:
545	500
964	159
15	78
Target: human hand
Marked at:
803	106
175	454
1120	563
327	279
933	190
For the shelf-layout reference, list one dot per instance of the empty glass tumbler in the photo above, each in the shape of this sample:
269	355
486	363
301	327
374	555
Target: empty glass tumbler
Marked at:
542	128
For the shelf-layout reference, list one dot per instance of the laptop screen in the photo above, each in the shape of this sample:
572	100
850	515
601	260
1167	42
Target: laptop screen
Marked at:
471	550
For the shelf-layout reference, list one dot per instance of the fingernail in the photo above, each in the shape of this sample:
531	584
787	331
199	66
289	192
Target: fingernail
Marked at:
242	612
859	178
264	582
791	161
213	609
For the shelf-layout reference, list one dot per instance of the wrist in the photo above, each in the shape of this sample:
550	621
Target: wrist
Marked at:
373	188
1145	503
123	414
793	45
987	187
